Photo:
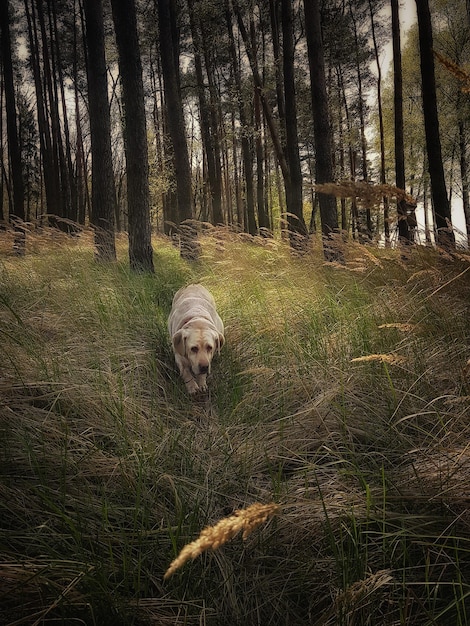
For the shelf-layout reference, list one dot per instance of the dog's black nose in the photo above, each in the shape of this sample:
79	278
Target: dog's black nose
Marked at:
203	369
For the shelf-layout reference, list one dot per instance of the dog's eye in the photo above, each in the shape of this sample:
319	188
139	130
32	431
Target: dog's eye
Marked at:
209	348
194	349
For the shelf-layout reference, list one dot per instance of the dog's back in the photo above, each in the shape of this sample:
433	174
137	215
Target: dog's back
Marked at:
190	302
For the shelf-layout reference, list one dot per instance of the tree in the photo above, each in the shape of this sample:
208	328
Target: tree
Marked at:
135	135
293	182
103	186
60	206
246	144
404	234
49	168
383	178
321	125
440	200
174	111
207	112
17	214
287	159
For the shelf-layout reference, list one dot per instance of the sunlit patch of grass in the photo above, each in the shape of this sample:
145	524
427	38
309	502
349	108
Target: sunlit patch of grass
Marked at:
341	395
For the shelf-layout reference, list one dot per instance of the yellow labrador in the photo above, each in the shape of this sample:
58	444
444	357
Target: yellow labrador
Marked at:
197	333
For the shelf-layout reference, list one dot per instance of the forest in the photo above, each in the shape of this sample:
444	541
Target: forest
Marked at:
142	117
307	162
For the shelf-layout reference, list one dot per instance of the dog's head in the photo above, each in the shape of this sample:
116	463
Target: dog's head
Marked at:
198	344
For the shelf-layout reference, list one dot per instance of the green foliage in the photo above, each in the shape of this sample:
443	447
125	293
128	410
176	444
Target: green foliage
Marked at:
342	393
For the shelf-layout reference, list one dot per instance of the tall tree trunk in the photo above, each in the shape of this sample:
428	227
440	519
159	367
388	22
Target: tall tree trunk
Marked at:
365	229
58	173
263	217
403	229
208	118
293	186
263	98
215	126
236	177
174	110
383	178
274	17
261	211
80	165
249	220
47	160
440	201
69	183
135	136
321	126
102	175
17	214
294	200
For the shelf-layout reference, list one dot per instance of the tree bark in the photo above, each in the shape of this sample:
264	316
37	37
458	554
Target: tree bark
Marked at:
135	136
60	208
321	126
367	228
383	178
403	229
208	118
440	200
249	220
17	213
103	185
293	183
47	163
174	111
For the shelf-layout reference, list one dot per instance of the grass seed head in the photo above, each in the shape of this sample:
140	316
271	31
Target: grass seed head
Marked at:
212	537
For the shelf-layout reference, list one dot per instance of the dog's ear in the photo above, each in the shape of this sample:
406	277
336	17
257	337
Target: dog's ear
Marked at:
179	341
220	341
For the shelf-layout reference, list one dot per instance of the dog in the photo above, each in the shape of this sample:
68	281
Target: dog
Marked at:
197	334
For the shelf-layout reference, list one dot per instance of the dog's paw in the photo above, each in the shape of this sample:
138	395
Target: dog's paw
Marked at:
192	387
202	382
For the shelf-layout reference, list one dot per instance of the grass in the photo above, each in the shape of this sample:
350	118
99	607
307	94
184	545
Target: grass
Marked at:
342	395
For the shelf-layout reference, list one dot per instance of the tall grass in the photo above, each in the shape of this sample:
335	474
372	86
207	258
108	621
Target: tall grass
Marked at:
342	394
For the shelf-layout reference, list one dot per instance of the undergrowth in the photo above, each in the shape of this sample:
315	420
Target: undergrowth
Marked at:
342	395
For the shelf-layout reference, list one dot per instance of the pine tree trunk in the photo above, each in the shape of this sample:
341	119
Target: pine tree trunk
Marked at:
293	184
208	119
135	135
403	229
247	158
383	178
189	247
321	125
49	170
103	186
440	201
59	172
17	214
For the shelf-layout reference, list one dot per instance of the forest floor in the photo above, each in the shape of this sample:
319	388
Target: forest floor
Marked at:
342	395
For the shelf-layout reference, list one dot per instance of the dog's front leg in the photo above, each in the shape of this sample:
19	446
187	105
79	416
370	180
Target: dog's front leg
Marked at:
189	380
202	381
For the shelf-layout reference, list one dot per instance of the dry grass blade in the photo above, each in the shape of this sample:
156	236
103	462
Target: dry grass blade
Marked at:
392	359
212	537
405	328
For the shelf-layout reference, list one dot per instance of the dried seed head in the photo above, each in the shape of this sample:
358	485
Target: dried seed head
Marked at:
212	537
